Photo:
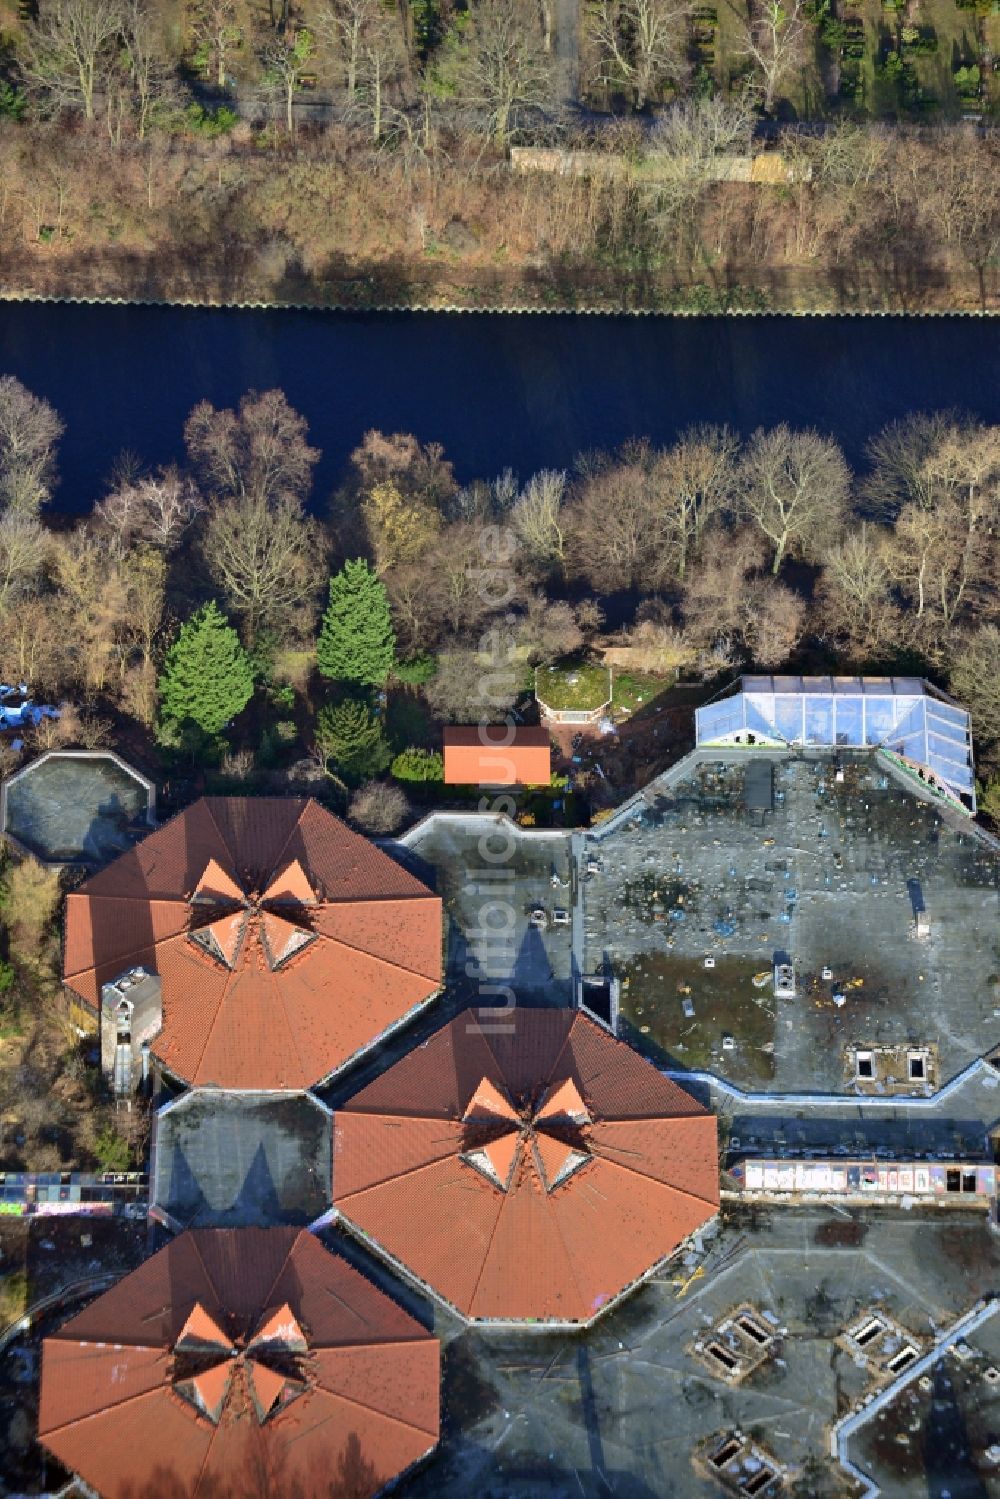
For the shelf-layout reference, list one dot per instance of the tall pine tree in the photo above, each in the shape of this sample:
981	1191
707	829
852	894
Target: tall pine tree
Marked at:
206	678
356	641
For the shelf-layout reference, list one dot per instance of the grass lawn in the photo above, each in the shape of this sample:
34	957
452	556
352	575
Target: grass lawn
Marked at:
636	689
573	686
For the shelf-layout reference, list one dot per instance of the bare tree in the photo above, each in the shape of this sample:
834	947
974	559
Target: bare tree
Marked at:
855	592
640	45
794	488
149	75
716	584
381	66
696	480
496	65
217	34
255	466
775	37
943	550
898	456
975	679
256	452
155	509
548	629
693	147
538	518
94	600
286	59
24	544
961	194
418	470
342	26
266	557
617	526
773	621
29	432
69	48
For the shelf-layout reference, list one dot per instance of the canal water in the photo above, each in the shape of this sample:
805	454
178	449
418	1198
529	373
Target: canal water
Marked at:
522	391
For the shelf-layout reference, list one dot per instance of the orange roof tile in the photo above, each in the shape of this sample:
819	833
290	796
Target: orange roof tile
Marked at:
337	1390
201	1328
533	1174
285	943
488	1103
494	755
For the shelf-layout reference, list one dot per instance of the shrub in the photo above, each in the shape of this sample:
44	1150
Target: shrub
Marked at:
418	765
29	900
416	671
379	807
112	1151
351	736
210	122
13	102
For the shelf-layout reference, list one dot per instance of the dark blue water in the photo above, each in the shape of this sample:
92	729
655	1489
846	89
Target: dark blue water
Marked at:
521	391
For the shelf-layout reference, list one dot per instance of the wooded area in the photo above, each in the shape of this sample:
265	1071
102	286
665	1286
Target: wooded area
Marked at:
350	152
220	612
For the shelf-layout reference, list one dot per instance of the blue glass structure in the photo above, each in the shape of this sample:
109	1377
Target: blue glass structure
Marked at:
904	716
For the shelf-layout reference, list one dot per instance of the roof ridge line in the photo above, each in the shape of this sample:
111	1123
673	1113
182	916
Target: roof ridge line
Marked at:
361	1405
276	866
215	1019
376	957
395	1114
554	1220
94	1415
504	1195
370	1343
206	801
293	1037
281	1268
650	1118
424	893
396	1176
215	1428
668	1186
146	900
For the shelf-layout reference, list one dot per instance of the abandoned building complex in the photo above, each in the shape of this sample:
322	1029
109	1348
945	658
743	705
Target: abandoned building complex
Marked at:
728	1054
236	1355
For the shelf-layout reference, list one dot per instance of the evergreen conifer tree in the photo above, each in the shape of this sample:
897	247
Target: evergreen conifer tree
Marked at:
356	641
350	735
206	678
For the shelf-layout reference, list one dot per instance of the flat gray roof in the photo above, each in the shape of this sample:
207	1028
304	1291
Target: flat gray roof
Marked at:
834	878
233	1159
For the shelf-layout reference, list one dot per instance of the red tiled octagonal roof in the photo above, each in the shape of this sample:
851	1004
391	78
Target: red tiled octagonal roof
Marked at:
529	1174
239	1363
284	942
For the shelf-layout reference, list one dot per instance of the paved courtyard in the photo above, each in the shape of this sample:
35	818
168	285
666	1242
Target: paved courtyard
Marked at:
621	1409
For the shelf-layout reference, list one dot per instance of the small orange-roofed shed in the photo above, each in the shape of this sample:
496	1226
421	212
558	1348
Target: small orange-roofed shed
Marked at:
497	755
